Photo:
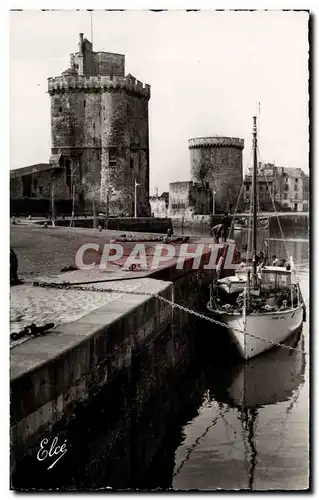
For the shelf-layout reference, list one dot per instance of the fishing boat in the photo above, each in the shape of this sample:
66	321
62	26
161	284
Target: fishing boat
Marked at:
262	305
239	225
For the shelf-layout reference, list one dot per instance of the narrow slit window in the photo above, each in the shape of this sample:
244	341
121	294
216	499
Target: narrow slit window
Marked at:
112	157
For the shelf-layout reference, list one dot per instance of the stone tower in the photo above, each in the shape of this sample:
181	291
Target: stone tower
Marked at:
99	122
216	163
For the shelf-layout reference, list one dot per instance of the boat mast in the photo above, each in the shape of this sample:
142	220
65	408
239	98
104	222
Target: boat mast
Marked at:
255	199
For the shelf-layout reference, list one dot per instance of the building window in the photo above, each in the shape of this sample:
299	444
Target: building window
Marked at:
112	157
286	187
94	126
131	163
60	109
285	196
296	187
35	183
247	187
84	103
296	180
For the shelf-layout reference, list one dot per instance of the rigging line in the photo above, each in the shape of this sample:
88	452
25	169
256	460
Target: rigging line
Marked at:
197	440
253	456
243	419
235	212
249	219
274	206
239	197
293	400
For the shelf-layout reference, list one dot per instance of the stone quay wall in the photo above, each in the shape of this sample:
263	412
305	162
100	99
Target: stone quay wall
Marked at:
53	378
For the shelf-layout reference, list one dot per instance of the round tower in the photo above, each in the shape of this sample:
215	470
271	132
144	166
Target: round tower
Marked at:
99	128
216	163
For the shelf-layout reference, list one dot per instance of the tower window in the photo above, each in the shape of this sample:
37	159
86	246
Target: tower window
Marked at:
112	157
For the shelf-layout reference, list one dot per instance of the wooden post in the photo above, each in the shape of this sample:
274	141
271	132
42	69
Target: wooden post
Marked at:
52	200
94	211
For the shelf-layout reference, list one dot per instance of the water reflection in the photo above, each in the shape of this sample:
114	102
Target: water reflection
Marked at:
274	377
264	380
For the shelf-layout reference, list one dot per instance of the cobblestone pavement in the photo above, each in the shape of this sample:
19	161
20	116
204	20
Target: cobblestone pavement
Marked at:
30	304
42	254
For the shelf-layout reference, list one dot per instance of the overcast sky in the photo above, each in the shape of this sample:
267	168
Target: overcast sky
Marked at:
207	71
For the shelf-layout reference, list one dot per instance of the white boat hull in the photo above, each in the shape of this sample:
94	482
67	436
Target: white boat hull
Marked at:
273	327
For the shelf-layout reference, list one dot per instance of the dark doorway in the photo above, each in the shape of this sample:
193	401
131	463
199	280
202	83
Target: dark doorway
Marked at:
26	186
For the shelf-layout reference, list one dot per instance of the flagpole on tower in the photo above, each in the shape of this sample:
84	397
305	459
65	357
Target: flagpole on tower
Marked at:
91	14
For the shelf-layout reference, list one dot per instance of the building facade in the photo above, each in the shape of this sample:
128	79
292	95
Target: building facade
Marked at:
189	198
160	205
280	187
216	164
33	187
99	134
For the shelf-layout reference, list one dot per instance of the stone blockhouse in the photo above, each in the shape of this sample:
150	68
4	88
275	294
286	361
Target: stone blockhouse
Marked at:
188	198
216	164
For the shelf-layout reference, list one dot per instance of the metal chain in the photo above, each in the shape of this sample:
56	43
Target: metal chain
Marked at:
69	286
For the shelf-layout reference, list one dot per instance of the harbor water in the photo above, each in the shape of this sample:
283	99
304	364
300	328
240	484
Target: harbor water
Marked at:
251	427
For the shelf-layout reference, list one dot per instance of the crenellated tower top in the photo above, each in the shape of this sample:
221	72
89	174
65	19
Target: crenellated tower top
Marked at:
95	72
209	142
76	83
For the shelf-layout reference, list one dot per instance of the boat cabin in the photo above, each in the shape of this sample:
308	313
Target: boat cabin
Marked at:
273	277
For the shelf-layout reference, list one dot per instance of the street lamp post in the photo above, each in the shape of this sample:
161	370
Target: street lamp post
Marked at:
214	199
135	198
